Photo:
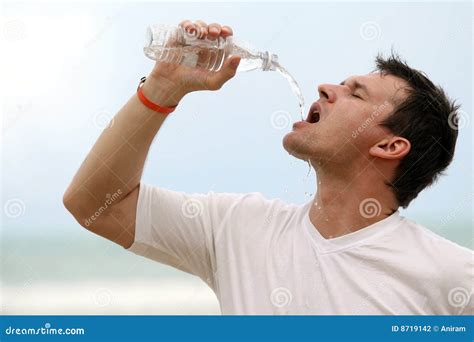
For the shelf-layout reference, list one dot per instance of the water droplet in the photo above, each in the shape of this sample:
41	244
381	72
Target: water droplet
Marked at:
319	183
319	208
327	220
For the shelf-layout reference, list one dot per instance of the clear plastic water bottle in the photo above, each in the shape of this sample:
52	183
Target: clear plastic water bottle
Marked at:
173	44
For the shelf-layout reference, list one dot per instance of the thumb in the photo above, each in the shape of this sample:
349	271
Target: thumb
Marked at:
228	70
233	62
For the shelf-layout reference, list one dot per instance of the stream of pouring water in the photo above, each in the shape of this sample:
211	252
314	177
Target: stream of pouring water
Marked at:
298	93
294	86
309	167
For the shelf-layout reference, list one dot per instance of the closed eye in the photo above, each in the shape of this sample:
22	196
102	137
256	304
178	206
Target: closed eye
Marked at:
355	95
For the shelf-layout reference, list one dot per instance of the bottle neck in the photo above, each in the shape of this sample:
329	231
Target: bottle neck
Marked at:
267	60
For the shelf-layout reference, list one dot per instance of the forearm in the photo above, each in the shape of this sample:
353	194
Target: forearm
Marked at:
114	165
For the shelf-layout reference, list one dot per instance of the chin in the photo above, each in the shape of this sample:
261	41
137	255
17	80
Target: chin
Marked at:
294	146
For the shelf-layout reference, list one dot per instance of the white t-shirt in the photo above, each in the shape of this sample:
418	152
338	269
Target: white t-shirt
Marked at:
264	256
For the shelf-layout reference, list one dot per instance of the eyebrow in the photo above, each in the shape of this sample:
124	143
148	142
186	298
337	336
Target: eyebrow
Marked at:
358	85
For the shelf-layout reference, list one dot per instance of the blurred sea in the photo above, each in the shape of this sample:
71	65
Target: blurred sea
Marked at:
85	274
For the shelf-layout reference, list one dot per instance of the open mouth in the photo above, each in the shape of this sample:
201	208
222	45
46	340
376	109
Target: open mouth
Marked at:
314	113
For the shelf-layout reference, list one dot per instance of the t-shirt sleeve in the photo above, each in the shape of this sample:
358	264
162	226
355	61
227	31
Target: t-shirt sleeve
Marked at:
179	229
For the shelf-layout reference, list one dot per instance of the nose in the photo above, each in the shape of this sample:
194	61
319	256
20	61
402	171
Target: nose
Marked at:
328	92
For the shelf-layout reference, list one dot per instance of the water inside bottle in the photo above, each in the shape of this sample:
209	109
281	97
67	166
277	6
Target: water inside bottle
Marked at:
192	56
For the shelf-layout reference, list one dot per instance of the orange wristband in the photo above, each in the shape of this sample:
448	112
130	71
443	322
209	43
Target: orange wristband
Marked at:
149	104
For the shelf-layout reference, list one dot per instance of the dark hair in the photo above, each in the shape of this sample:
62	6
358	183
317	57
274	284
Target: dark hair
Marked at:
428	118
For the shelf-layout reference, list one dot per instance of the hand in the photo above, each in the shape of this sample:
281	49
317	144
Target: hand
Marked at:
180	79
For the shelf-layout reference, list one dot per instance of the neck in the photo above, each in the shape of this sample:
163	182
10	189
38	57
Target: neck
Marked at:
346	201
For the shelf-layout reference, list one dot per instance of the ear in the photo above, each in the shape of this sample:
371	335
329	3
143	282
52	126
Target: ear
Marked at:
391	148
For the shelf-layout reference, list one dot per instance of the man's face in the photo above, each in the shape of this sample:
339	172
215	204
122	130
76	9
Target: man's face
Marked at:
349	118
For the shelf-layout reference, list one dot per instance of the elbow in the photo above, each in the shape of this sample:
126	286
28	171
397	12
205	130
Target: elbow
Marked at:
75	206
69	201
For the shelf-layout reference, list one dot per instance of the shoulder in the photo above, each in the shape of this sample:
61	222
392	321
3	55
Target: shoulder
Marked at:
252	204
250	214
454	264
438	245
446	269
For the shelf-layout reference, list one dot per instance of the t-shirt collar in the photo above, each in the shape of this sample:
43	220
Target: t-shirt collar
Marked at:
354	238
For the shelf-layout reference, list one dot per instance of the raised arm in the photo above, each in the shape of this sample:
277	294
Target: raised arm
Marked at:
104	191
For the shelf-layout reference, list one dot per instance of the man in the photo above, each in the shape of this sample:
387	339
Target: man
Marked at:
375	141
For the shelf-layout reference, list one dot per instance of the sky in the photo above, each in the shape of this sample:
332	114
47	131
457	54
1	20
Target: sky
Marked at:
67	68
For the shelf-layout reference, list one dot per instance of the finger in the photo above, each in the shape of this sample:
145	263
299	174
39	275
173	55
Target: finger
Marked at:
202	28
228	70
226	31
214	30
185	23
172	41
200	23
